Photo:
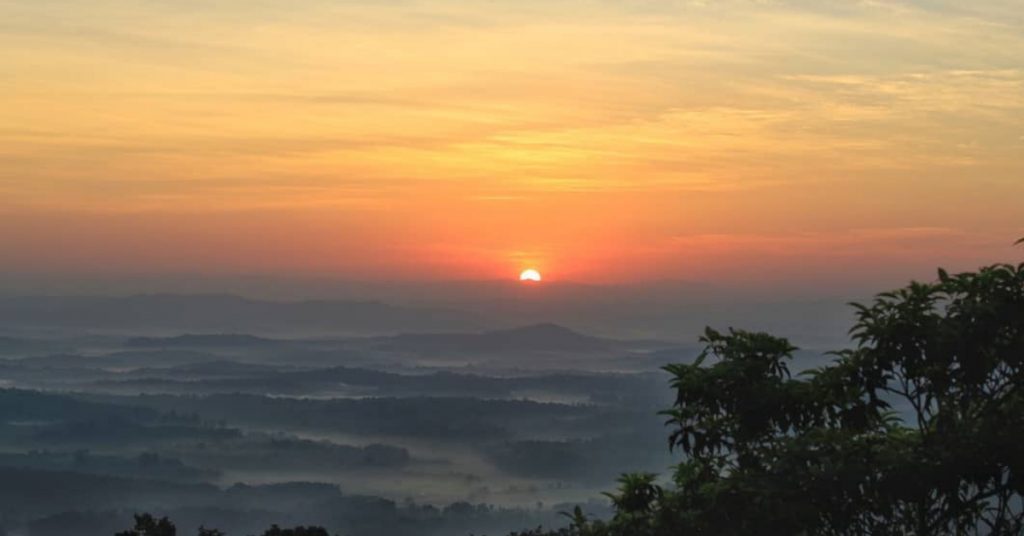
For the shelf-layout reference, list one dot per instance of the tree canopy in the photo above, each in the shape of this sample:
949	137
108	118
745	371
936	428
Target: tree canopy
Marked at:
917	428
147	525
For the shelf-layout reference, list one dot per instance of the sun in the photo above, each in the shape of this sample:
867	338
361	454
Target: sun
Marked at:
530	275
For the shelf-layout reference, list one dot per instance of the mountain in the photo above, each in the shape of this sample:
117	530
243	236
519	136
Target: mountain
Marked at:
201	341
535	338
123	359
15	347
226	314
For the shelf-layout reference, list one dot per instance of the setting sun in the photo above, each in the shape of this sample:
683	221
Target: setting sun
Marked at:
530	275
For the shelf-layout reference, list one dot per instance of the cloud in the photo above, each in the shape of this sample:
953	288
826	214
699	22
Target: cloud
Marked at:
642	120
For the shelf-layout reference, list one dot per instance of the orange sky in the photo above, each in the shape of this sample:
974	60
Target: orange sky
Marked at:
598	141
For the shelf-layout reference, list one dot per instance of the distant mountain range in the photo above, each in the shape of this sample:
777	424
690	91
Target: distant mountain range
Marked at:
535	338
545	337
670	313
226	313
228	340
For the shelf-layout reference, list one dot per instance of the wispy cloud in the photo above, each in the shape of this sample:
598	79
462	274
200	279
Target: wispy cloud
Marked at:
498	124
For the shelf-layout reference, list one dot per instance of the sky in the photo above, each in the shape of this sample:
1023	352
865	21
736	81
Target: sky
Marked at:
736	142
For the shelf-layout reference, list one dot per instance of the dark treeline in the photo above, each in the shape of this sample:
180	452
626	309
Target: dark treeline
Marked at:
446	418
147	525
99	505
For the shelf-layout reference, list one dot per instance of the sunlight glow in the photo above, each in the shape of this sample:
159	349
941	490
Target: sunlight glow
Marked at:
530	275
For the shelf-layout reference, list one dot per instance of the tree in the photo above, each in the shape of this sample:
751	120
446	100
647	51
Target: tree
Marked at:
147	525
297	531
916	429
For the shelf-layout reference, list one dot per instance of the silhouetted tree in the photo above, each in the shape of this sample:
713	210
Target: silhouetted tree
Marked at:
916	429
147	525
297	531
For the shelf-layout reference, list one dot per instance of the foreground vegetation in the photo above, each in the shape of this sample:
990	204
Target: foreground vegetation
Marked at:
915	430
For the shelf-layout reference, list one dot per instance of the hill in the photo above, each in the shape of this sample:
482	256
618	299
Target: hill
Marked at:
225	314
535	338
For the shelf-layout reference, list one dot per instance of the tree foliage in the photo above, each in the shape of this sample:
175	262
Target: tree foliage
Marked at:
297	531
915	429
147	525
